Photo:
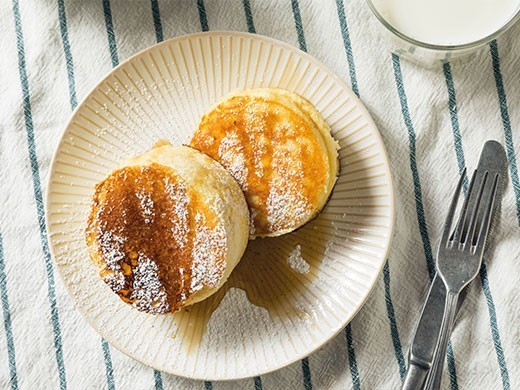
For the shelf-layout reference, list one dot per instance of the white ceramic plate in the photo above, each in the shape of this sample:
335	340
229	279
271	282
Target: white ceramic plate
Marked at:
162	92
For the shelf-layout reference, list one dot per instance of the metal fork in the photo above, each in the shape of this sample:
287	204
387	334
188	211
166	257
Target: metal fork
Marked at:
461	249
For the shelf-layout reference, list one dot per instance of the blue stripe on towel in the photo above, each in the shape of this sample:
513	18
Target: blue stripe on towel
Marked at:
306	370
454	116
298	23
7	320
108	365
158	380
352	361
157	21
494	328
202	15
413	166
258	383
31	146
393	323
249	17
348	47
68	54
110	32
506	122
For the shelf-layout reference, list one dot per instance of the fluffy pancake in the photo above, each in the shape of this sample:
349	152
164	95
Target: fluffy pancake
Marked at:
279	149
167	228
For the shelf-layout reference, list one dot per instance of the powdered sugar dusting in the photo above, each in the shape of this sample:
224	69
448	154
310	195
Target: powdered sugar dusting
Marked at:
180	198
297	262
148	292
115	280
285	199
146	205
256	129
282	205
209	250
231	154
112	248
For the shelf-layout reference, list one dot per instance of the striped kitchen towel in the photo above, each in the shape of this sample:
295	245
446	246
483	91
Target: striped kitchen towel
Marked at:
433	122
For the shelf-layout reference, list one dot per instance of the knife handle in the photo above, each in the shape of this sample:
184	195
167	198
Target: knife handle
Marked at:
415	377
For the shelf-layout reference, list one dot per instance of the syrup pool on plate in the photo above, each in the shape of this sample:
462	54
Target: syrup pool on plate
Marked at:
447	22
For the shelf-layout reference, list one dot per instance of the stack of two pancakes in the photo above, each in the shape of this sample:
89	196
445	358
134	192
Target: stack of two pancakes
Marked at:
167	227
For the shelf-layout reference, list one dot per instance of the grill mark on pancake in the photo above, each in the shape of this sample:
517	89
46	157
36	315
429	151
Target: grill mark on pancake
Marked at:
240	129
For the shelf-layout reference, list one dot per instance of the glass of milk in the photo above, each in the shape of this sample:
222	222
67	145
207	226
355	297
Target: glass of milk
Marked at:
428	31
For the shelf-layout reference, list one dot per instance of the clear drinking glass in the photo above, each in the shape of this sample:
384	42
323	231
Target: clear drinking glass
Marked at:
427	54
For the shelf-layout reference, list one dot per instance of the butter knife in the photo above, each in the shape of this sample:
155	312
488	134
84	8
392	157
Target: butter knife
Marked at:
424	342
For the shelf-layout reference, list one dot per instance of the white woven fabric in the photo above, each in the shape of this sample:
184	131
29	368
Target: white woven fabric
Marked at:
52	52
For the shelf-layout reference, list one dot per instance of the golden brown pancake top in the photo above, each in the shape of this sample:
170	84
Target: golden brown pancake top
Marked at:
274	155
155	241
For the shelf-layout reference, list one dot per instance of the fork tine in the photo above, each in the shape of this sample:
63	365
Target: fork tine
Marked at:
451	211
469	236
486	220
462	218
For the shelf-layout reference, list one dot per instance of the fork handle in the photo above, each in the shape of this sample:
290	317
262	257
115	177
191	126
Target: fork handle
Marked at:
450	310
